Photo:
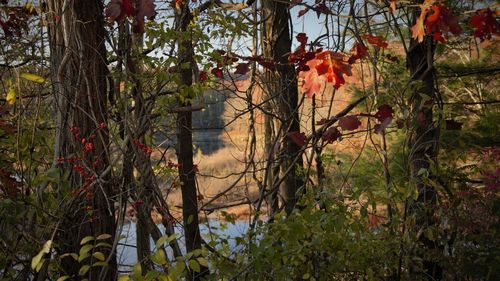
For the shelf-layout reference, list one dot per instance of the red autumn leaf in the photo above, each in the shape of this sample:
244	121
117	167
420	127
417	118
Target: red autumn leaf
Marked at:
376	41
333	65
392	58
128	8
217	72
242	68
453	125
485	24
177	4
440	22
358	51
146	10
331	135
322	9
384	111
266	63
203	76
116	10
349	123
312	82
302	38
269	64
303	12
298	138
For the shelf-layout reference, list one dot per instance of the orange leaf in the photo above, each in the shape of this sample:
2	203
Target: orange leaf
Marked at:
418	30
392	6
376	41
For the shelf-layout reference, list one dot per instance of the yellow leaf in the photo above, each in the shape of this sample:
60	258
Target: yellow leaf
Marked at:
11	96
33	77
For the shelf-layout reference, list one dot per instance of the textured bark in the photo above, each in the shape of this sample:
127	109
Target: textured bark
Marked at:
79	71
185	147
282	84
423	144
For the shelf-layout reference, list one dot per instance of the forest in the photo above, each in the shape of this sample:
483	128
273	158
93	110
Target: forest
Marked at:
193	140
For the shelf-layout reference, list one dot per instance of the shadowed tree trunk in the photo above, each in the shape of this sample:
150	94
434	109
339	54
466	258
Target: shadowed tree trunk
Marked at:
282	85
79	71
185	144
423	144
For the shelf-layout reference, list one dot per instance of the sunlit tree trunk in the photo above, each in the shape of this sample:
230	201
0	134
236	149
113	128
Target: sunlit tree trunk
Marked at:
281	84
79	71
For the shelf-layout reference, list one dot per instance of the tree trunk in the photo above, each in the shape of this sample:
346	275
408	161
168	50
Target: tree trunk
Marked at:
282	84
423	142
79	71
185	146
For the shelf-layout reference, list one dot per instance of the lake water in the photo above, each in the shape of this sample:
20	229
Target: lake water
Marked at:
126	250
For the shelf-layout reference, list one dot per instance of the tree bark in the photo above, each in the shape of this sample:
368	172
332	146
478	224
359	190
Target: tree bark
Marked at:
282	84
79	71
185	145
423	144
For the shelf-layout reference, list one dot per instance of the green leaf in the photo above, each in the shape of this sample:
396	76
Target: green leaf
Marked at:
166	239
45	250
73	255
202	261
85	249
62	278
159	257
33	77
102	244
86	239
306	276
100	263
137	270
124	278
99	256
82	257
84	269
194	265
104	236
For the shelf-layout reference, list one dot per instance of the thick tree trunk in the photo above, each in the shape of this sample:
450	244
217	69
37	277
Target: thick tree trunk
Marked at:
185	146
282	84
79	71
423	144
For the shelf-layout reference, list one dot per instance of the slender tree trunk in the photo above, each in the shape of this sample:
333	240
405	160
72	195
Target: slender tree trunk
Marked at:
185	146
79	71
423	142
282	83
